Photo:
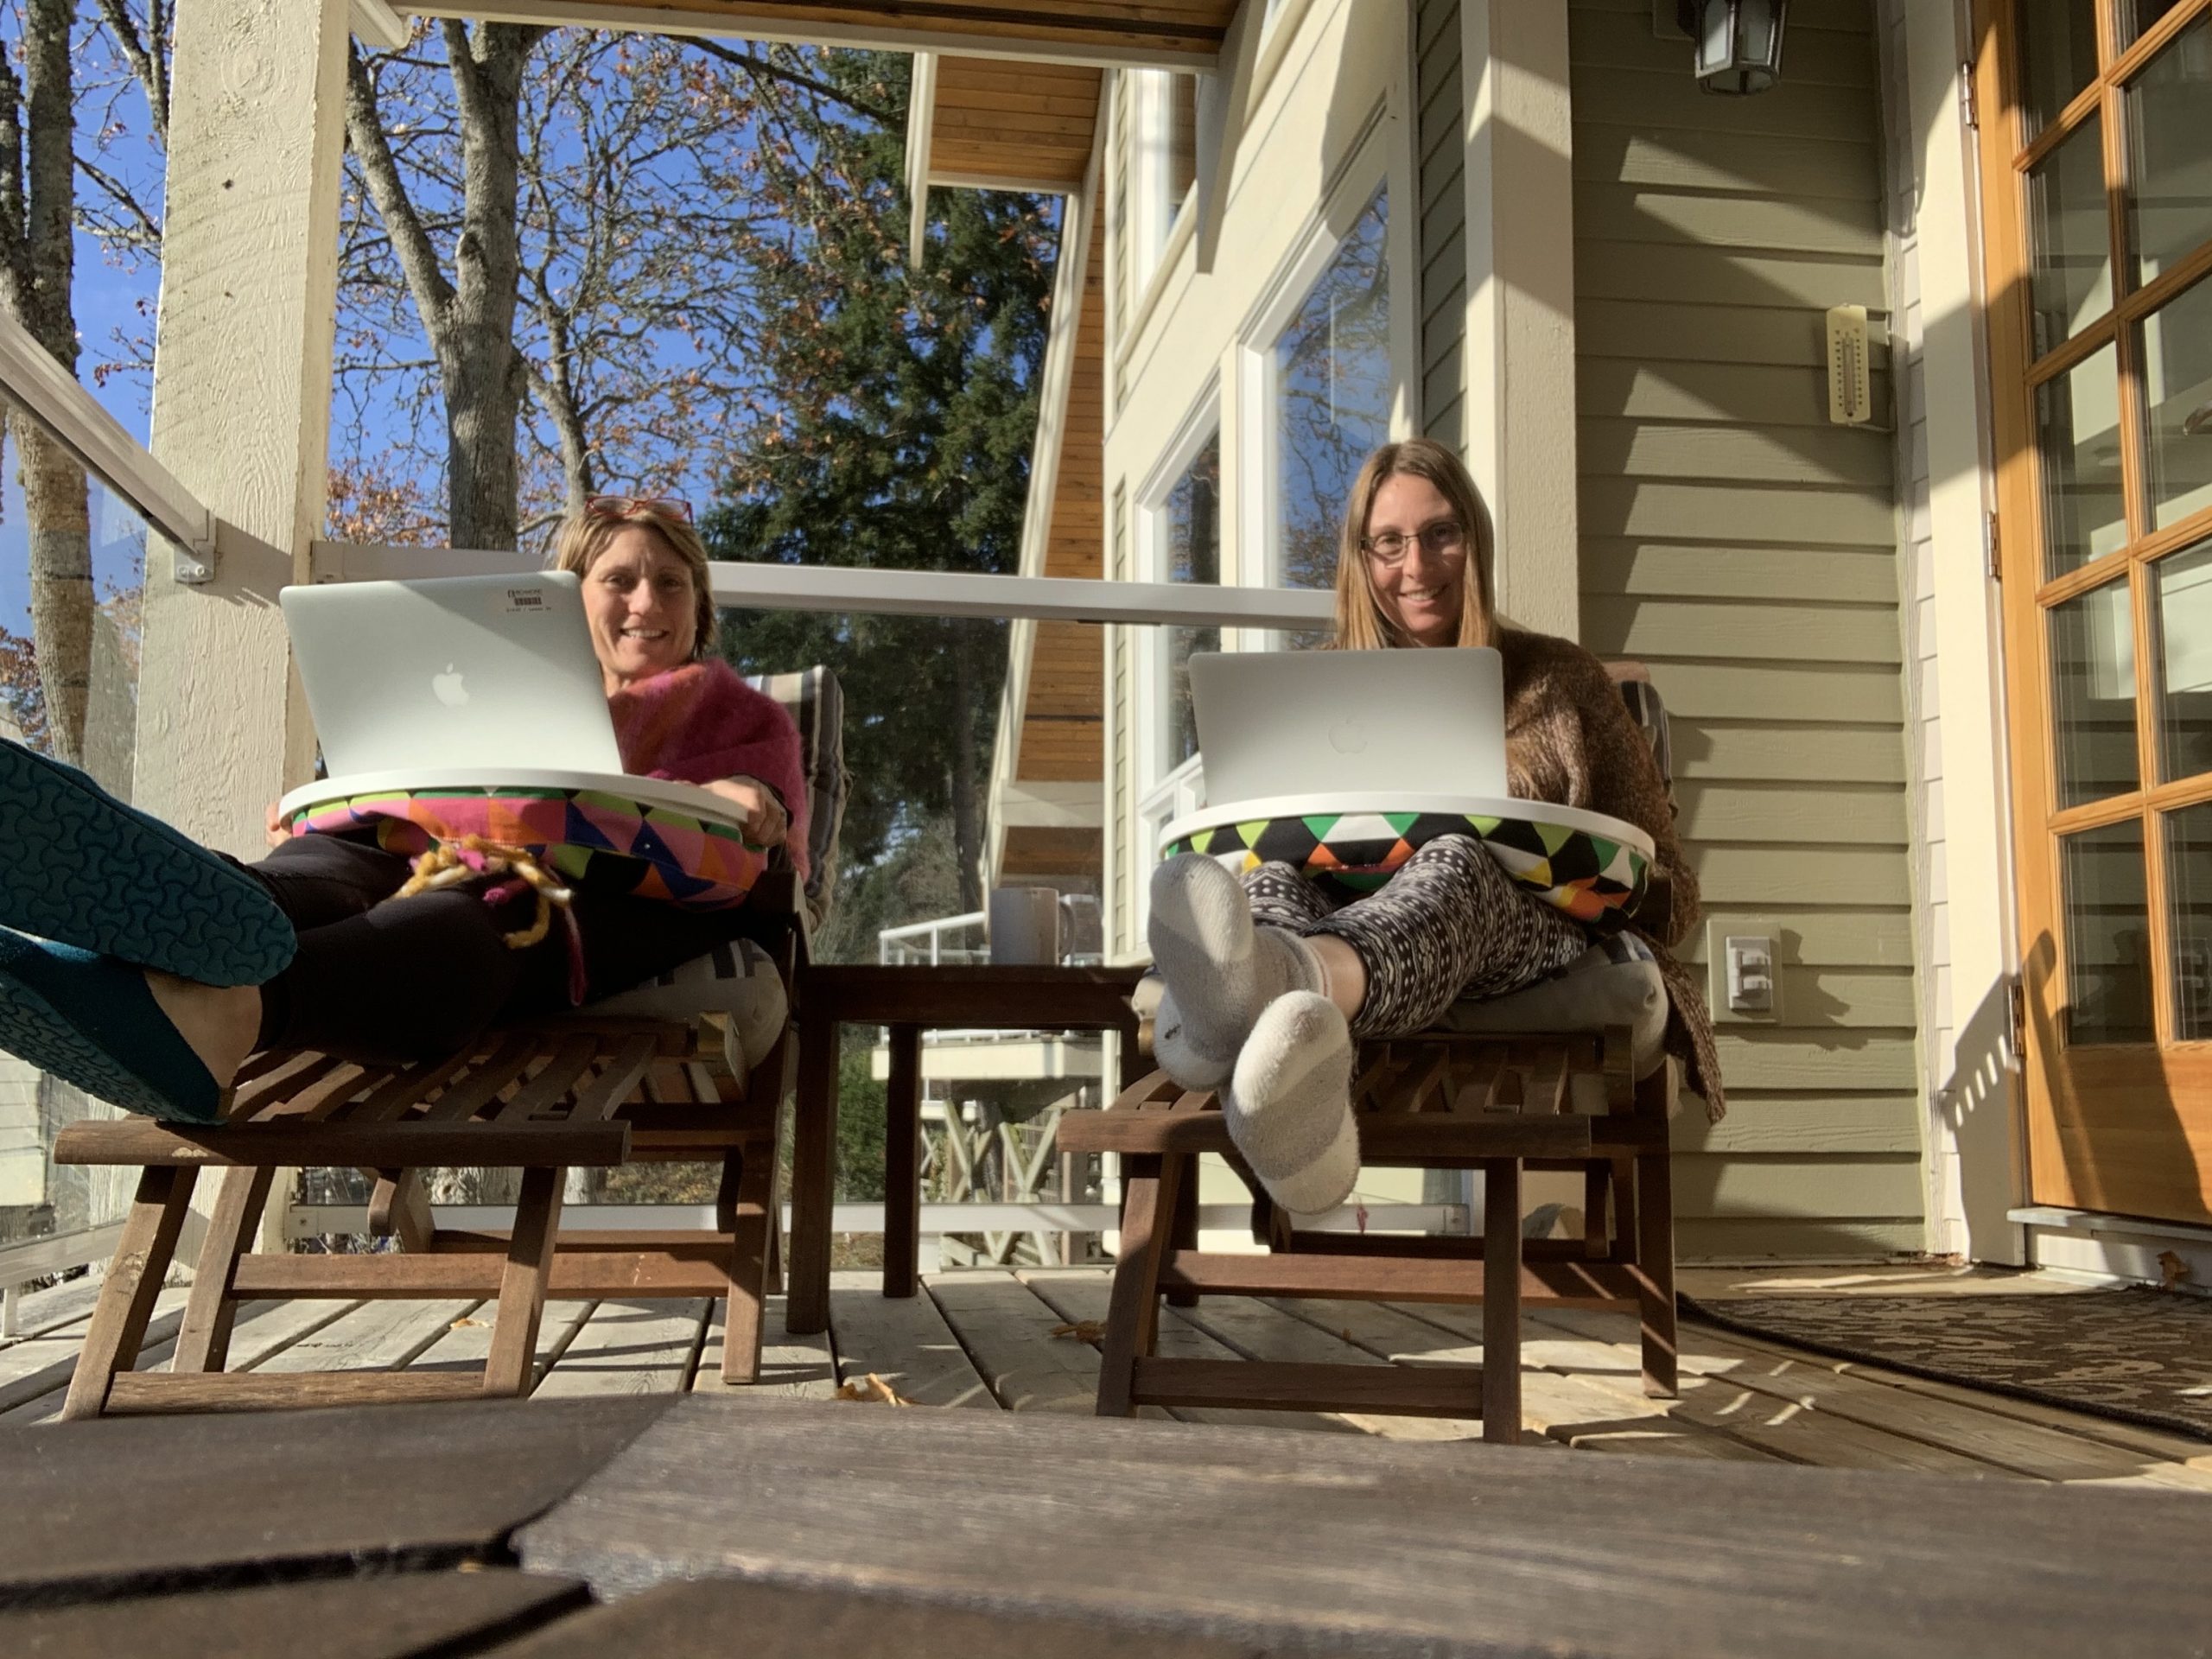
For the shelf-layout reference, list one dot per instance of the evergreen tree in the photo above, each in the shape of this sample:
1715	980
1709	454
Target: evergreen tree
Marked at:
899	439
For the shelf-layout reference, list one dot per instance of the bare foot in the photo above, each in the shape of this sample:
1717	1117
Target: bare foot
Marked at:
218	1022
1345	973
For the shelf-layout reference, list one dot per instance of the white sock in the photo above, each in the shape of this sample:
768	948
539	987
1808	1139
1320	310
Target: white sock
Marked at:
1219	970
1288	1104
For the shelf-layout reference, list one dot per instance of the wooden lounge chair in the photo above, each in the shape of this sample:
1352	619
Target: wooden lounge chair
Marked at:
653	1082
1586	1095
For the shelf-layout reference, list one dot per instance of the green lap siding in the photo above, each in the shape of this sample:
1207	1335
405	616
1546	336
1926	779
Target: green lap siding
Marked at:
1747	549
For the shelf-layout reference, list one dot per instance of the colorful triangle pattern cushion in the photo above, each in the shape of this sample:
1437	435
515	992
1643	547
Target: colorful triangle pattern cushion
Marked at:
1595	879
601	840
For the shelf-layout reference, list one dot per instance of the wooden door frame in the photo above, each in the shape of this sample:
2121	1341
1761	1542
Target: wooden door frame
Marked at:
2055	1087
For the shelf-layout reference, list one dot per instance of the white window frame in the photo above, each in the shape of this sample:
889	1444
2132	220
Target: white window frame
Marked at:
1154	208
1383	157
1149	715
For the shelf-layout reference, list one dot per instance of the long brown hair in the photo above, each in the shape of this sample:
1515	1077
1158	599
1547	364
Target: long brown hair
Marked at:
1362	622
584	536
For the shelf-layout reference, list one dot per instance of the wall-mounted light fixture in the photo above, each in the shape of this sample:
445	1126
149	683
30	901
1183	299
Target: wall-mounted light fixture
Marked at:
1737	43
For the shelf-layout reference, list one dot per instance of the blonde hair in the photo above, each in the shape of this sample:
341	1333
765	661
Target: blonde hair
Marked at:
1363	624
584	536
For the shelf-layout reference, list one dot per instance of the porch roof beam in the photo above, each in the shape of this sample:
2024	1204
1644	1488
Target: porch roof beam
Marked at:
830	589
96	440
1104	46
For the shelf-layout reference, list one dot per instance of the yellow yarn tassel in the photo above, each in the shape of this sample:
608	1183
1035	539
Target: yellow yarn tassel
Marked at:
443	867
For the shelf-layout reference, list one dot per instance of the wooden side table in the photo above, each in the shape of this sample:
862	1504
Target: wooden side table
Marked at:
911	1000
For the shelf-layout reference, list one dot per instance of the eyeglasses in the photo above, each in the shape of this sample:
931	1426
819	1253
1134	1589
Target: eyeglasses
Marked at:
1445	538
625	506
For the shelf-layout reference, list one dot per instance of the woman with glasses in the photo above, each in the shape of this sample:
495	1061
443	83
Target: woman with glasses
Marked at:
1269	982
145	968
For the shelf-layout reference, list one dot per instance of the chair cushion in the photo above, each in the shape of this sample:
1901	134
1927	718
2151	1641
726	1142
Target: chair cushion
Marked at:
817	706
1615	982
736	983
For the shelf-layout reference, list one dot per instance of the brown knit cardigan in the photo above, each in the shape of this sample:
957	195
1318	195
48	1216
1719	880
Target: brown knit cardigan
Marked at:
1569	739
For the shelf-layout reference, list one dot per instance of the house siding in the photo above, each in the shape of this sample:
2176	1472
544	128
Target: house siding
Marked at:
1441	163
1749	552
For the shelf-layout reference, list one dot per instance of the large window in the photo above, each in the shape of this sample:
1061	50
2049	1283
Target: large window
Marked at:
1187	531
1329	385
1164	161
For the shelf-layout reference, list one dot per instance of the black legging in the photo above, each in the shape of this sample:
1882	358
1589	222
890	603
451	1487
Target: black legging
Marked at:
383	981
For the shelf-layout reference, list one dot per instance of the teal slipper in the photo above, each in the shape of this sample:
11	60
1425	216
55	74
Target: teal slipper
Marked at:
90	1021
82	868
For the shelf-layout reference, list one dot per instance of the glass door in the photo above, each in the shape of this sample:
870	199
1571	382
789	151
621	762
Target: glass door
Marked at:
2096	132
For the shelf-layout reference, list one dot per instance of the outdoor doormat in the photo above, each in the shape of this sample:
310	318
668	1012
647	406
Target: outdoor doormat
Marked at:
2140	1356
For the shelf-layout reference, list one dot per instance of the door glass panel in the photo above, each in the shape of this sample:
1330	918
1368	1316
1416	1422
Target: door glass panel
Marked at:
2107	935
2134	18
2182	618
2077	430
2069	237
2059	55
2093	683
2177	357
1191	529
2169	153
2189	919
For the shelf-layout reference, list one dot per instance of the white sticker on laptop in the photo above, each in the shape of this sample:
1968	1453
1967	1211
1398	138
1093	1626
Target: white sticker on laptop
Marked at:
522	599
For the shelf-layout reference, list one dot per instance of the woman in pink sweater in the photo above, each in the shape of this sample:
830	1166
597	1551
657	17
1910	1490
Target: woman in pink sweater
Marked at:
149	989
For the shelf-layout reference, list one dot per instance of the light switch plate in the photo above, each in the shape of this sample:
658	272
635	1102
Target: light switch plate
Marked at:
1717	931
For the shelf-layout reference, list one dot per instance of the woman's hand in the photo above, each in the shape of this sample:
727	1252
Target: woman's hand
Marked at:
273	827
766	822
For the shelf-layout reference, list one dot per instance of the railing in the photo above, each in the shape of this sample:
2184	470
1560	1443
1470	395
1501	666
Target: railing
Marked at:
918	942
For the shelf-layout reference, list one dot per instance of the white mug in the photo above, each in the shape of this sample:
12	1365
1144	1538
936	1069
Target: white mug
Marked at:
1025	926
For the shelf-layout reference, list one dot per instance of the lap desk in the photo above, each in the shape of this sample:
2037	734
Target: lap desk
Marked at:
649	836
1592	866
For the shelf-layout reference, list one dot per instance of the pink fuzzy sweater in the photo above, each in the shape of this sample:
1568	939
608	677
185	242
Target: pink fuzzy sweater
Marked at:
701	722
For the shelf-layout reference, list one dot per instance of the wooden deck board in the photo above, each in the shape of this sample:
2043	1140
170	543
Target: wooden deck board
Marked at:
981	1340
904	1340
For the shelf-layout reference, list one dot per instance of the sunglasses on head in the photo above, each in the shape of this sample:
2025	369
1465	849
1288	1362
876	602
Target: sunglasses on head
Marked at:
623	506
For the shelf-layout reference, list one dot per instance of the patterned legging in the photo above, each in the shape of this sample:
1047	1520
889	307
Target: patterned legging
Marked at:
1450	923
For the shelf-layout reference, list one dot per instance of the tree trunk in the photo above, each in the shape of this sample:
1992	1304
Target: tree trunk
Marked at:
484	379
967	804
61	583
35	287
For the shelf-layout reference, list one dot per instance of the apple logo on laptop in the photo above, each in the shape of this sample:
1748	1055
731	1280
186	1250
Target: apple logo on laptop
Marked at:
1347	736
448	688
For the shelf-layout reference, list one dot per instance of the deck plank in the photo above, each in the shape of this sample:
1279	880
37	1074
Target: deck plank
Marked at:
1972	1430
799	1368
1007	1330
376	1336
904	1340
640	1347
1613	1364
1078	1293
263	1329
37	1364
466	1343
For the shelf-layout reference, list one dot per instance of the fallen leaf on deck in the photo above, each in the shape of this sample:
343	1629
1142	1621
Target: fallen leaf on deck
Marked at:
1081	1330
2171	1270
874	1391
463	1324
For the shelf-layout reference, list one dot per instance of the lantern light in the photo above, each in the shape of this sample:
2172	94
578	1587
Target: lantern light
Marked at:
1737	43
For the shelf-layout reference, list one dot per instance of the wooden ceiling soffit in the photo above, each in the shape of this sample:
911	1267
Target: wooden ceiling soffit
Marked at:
996	125
1184	34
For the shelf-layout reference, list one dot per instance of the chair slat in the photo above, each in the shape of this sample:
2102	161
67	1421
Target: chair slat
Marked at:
560	1074
274	1084
611	1089
477	1091
410	1087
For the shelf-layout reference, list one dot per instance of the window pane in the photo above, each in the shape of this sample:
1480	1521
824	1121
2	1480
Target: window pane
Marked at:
1332	398
2177	357
2077	422
2189	921
2093	687
2108	935
2058	56
2169	153
2183	617
1192	544
2134	19
2069	237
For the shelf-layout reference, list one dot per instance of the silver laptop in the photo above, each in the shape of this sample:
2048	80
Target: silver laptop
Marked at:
492	671
1421	723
